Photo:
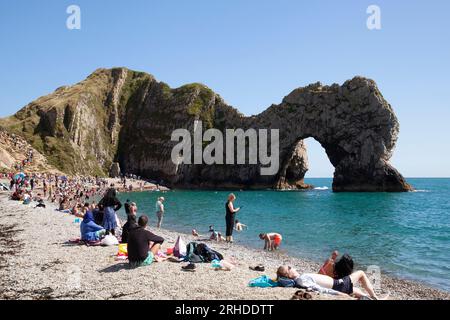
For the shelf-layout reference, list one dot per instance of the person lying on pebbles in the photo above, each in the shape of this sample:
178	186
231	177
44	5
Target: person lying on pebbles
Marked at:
289	277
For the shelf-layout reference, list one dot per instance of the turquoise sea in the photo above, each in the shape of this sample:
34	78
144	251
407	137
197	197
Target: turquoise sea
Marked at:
406	234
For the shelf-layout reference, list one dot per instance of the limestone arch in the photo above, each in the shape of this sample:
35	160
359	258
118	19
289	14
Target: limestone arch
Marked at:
354	124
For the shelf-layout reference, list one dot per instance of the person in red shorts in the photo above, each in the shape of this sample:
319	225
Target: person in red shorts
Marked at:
272	240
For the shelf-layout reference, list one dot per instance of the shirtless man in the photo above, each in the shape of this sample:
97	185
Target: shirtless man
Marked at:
272	240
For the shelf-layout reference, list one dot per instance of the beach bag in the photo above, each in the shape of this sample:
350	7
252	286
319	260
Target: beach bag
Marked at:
123	249
180	248
207	253
192	253
263	282
123	252
110	240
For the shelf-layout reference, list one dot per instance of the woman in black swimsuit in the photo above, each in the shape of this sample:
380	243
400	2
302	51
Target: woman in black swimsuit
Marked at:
229	217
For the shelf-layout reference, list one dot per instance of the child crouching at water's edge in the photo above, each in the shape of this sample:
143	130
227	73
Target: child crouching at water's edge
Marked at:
272	241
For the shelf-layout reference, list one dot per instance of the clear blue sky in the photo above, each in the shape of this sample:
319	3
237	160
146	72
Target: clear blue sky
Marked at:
252	53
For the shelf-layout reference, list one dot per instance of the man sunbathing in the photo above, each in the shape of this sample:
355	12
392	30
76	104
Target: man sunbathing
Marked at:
289	277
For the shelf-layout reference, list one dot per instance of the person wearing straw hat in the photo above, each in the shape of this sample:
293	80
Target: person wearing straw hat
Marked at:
160	211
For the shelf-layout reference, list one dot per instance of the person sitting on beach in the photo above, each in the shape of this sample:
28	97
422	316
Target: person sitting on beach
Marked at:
215	235
328	267
40	204
76	211
238	226
27	198
272	241
143	246
98	213
64	204
131	222
90	231
17	195
289	277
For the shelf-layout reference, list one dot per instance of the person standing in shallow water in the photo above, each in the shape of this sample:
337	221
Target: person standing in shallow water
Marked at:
160	211
229	217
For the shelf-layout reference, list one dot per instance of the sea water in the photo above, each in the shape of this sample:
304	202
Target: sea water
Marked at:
405	234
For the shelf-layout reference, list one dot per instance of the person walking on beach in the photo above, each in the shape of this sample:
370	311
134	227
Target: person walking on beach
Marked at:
160	211
229	217
111	204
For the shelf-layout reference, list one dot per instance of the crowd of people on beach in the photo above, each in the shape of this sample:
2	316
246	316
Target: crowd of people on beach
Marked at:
68	193
100	225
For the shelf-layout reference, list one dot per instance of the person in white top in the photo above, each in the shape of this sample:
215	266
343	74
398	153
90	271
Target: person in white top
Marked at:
160	211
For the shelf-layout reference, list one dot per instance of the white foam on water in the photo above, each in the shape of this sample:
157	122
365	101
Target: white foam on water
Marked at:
321	188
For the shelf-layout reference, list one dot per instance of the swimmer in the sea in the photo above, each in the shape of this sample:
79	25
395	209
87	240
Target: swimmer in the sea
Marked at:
239	226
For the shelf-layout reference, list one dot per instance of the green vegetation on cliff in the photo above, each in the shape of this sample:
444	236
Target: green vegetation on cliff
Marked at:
83	128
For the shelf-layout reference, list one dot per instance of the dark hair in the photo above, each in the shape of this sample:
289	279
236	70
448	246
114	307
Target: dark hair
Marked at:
343	267
110	198
143	220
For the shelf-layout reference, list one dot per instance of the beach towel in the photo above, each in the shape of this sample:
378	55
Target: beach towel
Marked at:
263	282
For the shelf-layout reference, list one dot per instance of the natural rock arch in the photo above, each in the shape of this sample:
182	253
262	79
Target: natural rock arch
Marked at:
354	124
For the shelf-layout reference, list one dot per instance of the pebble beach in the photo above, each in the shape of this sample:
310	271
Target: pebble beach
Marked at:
37	262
